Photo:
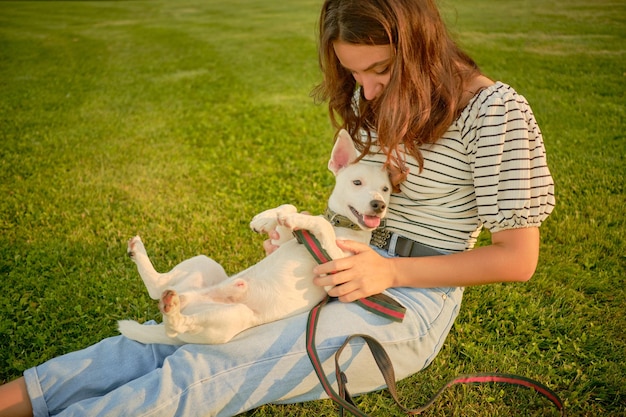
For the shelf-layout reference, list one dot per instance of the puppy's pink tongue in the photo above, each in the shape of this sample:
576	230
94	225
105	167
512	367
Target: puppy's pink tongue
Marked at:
371	221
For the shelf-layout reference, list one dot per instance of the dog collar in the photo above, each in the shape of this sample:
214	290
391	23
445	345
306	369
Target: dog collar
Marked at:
339	220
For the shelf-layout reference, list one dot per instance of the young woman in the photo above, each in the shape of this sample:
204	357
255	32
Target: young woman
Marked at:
465	152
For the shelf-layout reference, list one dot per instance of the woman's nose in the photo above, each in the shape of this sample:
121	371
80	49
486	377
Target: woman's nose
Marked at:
371	87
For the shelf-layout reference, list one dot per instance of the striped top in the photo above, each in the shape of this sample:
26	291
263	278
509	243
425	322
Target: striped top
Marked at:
489	169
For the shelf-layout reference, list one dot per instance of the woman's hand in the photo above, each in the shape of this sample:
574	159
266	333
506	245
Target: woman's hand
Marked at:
363	274
267	243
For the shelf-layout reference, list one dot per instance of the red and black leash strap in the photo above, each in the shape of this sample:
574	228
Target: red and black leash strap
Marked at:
343	397
380	304
344	400
500	378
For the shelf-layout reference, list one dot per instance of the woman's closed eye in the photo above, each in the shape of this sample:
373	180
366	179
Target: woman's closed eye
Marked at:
382	71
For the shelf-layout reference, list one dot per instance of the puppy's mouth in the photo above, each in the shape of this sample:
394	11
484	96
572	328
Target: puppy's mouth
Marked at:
367	221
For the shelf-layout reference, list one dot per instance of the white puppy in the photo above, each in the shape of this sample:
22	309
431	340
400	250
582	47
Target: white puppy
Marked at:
201	304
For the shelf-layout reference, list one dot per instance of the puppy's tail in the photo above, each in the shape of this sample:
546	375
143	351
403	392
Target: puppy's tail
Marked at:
146	334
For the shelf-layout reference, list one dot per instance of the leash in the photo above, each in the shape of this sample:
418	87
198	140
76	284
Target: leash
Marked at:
379	304
395	312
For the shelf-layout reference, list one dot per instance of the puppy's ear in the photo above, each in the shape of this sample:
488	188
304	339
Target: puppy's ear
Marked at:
344	153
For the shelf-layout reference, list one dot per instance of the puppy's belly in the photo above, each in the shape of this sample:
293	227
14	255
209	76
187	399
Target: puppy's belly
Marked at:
280	285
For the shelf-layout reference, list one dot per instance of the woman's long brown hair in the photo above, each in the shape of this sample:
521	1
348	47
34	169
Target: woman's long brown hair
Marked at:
428	73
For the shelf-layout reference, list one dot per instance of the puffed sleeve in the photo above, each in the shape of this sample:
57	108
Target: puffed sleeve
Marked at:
514	187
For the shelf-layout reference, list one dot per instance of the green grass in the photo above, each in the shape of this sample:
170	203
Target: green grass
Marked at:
180	120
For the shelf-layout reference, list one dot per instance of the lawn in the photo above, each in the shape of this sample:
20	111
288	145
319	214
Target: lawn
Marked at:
179	120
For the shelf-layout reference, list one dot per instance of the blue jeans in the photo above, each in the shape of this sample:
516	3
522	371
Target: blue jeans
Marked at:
266	364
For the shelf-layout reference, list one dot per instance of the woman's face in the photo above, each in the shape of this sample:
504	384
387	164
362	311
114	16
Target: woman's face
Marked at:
370	65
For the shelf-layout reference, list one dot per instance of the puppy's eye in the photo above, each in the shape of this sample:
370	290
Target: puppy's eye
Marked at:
356	182
385	189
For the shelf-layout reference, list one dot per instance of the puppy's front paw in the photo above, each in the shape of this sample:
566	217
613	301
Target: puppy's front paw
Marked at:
262	224
299	221
291	220
265	222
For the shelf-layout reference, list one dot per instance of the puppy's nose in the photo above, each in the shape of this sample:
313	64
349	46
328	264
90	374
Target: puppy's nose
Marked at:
378	205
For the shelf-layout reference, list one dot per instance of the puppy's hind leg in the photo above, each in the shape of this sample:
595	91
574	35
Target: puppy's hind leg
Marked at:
137	252
215	323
